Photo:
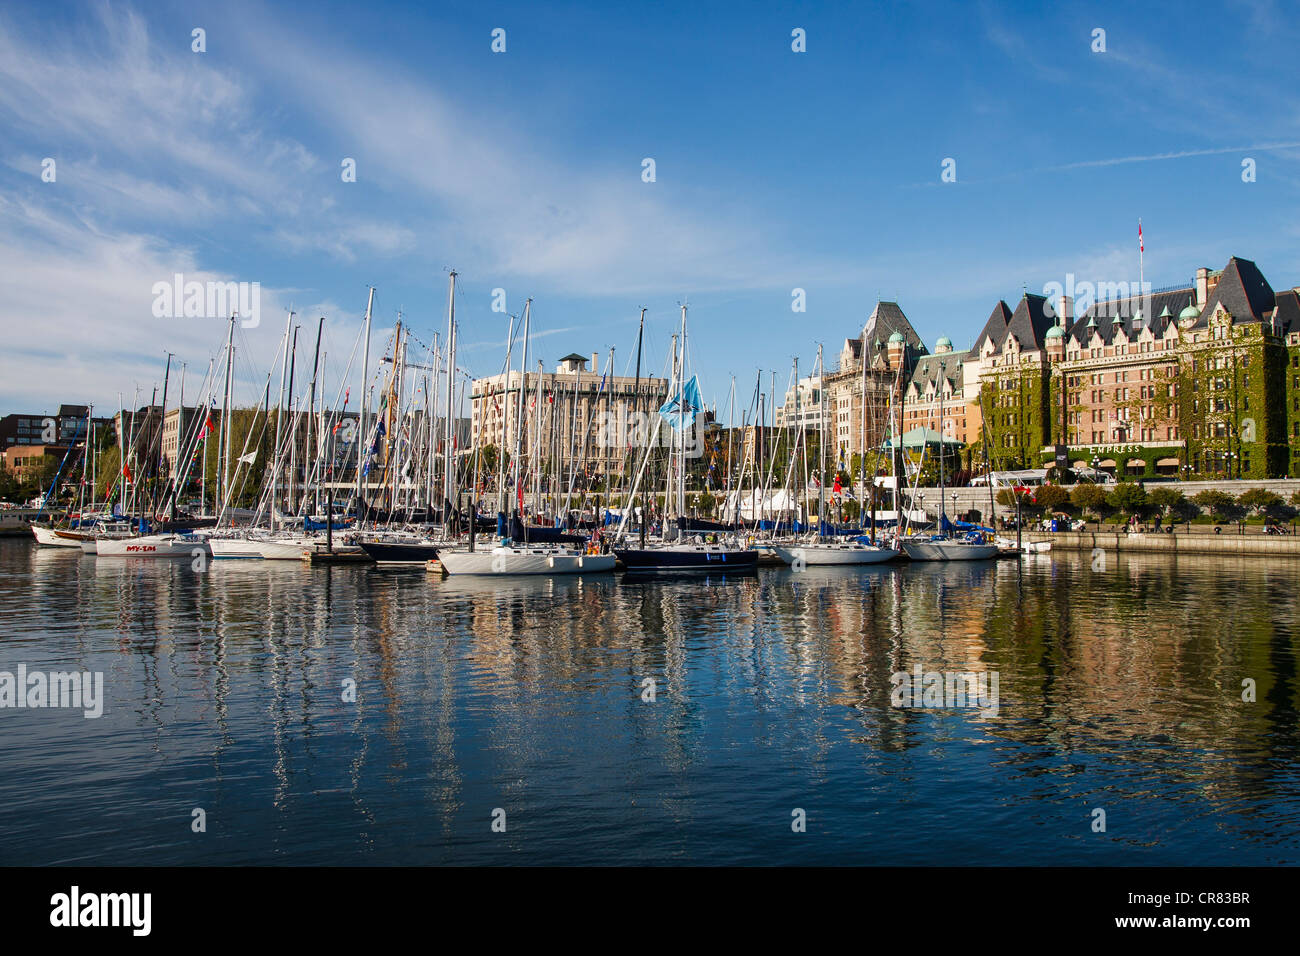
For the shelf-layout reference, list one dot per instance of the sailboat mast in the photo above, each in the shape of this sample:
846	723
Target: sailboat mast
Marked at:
821	444
362	439
501	456
941	476
519	417
308	458
448	462
293	425
681	457
225	421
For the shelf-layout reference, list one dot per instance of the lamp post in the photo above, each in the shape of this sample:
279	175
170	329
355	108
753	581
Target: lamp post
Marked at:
954	504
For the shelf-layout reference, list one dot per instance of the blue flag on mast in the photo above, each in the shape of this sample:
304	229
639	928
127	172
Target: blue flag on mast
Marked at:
680	410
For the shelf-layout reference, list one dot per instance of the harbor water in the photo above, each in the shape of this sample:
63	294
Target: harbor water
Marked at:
273	713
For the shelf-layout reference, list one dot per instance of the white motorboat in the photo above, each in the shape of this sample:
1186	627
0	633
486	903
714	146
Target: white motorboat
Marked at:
816	553
1008	546
105	529
153	546
510	560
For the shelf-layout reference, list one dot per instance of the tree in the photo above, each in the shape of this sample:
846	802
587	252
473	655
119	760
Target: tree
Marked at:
1053	498
37	478
488	456
1172	503
1129	498
1259	500
1029	505
1219	504
1093	499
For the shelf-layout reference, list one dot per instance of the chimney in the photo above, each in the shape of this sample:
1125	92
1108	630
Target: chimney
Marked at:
1065	310
595	362
1202	286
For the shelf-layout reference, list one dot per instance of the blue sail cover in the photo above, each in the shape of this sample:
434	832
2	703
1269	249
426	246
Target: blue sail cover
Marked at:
947	526
309	525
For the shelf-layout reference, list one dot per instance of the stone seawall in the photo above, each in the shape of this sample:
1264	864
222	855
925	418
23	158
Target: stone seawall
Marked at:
1227	543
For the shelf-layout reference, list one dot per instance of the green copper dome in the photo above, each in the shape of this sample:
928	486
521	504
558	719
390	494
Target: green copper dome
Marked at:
1191	312
897	337
1056	332
943	343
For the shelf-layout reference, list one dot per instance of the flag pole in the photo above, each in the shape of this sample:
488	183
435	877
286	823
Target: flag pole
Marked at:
1142	285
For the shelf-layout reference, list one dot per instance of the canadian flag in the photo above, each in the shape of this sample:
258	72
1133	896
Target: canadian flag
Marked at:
1141	247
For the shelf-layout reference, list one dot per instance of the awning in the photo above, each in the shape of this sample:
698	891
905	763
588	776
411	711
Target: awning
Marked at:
921	437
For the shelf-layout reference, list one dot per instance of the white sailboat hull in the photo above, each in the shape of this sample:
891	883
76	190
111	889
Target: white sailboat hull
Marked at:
235	548
949	551
153	546
512	561
834	554
286	549
49	538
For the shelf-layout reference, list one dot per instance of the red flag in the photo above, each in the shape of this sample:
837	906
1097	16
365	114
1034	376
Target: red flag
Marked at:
837	484
1141	247
126	473
208	427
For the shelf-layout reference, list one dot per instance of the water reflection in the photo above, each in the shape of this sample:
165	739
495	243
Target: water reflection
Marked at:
230	690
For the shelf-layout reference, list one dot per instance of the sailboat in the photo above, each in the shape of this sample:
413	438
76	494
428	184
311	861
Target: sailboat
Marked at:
682	554
49	535
820	551
177	545
510	557
944	546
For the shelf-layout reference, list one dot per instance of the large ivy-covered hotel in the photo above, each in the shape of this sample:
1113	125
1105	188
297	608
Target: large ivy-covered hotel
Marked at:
1195	381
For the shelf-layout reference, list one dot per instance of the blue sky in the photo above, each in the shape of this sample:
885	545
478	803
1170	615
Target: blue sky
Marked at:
775	170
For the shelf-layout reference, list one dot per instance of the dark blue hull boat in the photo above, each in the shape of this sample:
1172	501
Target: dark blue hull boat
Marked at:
690	558
399	552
